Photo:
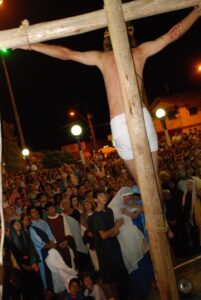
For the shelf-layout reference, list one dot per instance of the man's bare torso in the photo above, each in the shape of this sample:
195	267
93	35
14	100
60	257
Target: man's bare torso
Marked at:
111	78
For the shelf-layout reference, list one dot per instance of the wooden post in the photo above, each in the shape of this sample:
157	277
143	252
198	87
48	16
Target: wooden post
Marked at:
87	22
91	128
156	227
2	222
15	111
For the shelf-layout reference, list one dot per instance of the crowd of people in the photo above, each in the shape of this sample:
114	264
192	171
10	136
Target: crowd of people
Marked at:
79	231
181	183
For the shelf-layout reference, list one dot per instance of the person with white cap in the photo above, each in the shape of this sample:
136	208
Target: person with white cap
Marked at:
134	247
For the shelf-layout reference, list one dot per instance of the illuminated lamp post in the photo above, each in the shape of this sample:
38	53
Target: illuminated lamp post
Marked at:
76	131
160	114
25	152
90	125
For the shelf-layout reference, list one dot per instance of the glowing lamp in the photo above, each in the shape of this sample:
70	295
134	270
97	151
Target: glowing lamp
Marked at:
4	50
72	113
160	113
25	152
76	130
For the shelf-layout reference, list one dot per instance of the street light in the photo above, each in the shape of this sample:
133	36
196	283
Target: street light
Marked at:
76	130
25	152
160	114
198	67
90	125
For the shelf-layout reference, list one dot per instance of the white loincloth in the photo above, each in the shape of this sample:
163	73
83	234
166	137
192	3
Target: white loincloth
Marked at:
121	137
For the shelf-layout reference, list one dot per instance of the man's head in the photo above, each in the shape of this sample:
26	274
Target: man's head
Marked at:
82	189
102	183
42	198
33	213
66	205
87	206
87	281
127	197
74	286
189	185
100	197
16	225
25	220
136	193
107	44
19	202
50	208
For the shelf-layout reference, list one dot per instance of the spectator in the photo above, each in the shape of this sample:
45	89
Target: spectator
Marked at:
27	259
62	233
105	230
91	288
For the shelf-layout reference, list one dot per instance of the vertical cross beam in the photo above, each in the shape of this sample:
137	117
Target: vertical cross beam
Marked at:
159	247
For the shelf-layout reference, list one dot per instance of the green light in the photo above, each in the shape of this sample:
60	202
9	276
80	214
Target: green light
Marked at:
4	50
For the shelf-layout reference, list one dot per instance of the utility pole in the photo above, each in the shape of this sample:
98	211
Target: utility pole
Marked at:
89	117
12	97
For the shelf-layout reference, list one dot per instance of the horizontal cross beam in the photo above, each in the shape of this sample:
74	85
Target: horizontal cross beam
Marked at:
87	22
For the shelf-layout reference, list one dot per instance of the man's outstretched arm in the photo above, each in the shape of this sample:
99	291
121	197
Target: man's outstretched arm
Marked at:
153	47
91	58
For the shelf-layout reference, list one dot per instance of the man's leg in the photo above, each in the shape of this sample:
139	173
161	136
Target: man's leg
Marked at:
131	167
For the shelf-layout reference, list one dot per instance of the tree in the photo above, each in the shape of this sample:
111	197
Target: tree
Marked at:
55	159
11	152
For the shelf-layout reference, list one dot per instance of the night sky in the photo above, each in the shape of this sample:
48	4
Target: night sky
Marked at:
46	88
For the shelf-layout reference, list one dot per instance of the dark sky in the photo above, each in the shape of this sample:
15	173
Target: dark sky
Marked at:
46	88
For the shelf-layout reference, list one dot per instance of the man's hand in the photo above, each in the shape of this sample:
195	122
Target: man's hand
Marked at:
124	211
198	9
90	234
63	245
114	231
119	223
51	245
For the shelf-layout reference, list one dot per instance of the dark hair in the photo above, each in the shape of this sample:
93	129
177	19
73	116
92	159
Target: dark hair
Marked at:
16	220
107	44
49	204
87	274
30	208
57	199
74	280
71	200
87	192
97	192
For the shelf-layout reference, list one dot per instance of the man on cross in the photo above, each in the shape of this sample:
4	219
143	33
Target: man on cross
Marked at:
105	61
